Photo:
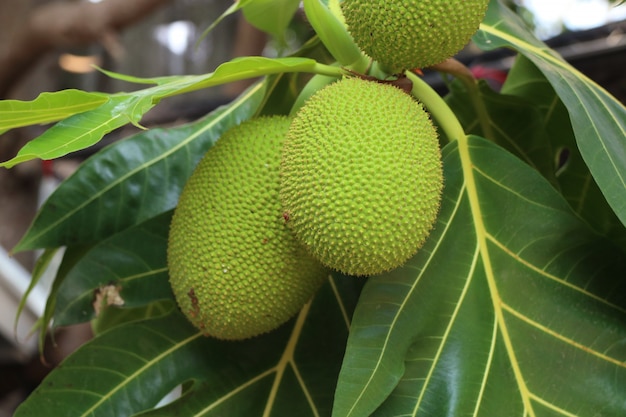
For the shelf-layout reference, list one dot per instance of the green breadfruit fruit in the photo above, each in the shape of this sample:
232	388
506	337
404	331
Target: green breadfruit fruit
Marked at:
409	34
235	268
361	176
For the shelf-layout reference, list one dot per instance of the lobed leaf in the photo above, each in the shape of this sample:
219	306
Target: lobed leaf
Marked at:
514	305
569	171
598	119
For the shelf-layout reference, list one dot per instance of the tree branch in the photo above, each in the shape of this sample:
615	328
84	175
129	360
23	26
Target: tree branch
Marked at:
64	24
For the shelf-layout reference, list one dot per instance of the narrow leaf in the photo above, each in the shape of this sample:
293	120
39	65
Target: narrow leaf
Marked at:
84	129
47	108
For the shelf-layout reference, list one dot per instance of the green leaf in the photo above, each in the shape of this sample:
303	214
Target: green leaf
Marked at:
271	16
85	129
113	316
131	266
598	119
128	369
333	32
513	306
47	107
517	124
573	178
236	6
132	180
71	256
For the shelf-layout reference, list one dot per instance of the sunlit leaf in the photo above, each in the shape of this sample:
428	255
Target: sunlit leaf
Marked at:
514	306
85	129
47	107
598	119
132	180
128	369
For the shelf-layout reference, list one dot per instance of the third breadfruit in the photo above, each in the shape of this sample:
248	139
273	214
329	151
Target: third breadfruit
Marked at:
409	34
361	176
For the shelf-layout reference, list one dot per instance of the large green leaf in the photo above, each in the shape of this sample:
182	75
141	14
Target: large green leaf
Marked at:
131	265
598	119
131	180
514	307
568	170
129	368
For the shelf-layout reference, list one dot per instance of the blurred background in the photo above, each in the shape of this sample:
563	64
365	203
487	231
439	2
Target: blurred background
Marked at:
49	45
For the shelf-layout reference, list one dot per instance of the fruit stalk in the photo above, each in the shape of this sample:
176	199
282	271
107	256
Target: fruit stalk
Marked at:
457	69
437	107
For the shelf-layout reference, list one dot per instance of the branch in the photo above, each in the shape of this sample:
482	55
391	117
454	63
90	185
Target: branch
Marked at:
65	24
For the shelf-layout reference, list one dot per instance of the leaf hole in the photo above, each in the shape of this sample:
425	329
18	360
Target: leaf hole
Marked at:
562	160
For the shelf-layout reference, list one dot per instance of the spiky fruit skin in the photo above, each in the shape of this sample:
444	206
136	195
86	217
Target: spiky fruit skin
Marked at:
409	34
235	268
361	176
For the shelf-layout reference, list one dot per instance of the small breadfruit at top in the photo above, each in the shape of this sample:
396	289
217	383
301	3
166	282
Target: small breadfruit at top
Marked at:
361	176
409	34
235	268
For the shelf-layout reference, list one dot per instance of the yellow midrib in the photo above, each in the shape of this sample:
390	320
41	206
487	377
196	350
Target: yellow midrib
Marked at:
286	360
134	375
481	237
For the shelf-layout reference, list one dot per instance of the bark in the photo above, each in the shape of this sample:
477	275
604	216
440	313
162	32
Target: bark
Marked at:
66	24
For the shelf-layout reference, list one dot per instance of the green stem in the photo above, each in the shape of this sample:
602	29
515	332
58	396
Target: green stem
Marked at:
438	108
329	70
230	71
457	69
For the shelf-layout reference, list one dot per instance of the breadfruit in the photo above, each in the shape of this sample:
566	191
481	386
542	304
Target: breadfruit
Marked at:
361	176
235	268
409	34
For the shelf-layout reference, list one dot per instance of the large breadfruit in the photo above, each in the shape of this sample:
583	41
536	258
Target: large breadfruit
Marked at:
361	176
408	34
235	268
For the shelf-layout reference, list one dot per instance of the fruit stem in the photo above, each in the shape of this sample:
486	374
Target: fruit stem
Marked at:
329	70
457	69
438	108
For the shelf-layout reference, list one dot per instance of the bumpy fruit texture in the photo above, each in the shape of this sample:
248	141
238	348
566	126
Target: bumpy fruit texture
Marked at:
235	268
361	176
409	34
